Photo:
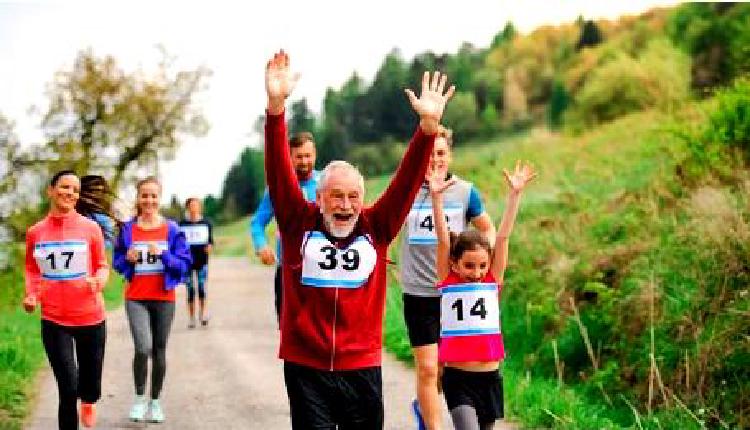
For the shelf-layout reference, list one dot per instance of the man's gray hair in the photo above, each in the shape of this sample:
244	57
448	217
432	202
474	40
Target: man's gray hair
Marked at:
338	165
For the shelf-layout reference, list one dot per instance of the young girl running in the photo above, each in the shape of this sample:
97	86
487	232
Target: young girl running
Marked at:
471	343
199	234
66	270
152	254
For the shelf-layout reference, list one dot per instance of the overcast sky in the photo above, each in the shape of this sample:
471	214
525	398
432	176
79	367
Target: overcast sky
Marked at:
327	41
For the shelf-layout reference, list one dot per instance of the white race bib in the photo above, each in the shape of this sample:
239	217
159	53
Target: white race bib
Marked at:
324	265
196	234
62	260
149	263
469	309
422	225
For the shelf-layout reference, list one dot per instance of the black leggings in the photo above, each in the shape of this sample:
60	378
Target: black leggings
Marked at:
83	379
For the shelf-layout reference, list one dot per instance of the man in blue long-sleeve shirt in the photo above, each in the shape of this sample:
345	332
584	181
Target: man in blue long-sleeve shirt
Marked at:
302	151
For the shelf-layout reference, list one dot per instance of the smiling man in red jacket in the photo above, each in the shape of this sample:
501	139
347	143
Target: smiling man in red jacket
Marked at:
335	253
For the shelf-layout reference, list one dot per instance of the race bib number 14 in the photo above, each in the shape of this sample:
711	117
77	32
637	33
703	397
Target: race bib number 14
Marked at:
469	309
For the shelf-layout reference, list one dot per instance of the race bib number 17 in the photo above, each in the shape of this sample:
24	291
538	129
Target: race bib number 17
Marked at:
62	260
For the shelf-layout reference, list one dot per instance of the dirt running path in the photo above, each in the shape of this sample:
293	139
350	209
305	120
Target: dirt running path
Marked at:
225	376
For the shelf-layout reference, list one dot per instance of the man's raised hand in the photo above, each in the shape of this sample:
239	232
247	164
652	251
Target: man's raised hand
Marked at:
431	103
279	82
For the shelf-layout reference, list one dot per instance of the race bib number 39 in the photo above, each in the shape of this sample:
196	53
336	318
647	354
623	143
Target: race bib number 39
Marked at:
148	263
196	234
422	225
62	260
324	265
469	310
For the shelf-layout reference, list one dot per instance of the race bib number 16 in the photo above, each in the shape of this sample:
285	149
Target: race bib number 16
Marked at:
148	263
62	260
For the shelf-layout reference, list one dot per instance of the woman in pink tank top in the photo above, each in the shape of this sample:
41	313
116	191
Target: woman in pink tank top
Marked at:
471	343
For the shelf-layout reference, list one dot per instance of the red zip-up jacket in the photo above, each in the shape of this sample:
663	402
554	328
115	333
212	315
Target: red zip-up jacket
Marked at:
336	328
68	302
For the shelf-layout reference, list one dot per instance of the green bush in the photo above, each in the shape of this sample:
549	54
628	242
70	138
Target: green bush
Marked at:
659	77
373	160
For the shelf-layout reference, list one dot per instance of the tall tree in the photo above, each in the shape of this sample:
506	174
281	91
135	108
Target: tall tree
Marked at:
102	119
504	36
302	119
590	35
243	184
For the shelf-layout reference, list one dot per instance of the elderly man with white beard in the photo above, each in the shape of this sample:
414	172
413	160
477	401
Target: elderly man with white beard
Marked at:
334	268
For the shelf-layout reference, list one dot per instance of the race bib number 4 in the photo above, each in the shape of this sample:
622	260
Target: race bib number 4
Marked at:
422	225
148	263
196	234
62	260
324	265
469	310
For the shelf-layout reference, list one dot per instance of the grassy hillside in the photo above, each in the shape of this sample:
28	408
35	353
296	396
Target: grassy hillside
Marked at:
609	231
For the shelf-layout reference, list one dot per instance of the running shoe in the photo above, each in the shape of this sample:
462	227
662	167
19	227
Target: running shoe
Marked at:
191	323
139	408
156	413
204	319
418	415
88	414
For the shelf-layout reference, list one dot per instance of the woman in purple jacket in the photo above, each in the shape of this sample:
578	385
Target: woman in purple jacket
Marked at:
152	254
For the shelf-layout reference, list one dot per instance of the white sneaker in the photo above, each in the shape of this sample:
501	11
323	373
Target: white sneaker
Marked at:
139	408
155	411
191	323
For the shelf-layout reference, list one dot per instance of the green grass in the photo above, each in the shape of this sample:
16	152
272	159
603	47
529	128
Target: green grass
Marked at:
606	217
233	239
21	350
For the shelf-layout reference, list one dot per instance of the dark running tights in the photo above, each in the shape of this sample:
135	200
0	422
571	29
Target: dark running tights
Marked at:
82	379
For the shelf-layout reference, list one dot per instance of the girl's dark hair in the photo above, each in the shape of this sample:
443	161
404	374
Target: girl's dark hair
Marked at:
56	177
96	197
468	240
190	200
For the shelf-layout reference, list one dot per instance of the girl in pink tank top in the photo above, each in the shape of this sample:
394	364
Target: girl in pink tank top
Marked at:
471	343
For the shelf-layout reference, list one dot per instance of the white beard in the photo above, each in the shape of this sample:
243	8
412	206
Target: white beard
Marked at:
338	232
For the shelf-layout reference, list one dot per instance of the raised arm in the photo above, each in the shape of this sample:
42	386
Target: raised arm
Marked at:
521	176
286	195
389	212
438	184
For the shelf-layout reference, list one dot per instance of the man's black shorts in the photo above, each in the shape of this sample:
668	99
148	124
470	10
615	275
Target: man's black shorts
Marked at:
422	317
321	399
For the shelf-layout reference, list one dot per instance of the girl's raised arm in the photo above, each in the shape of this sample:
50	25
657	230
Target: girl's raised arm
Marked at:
521	176
438	184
